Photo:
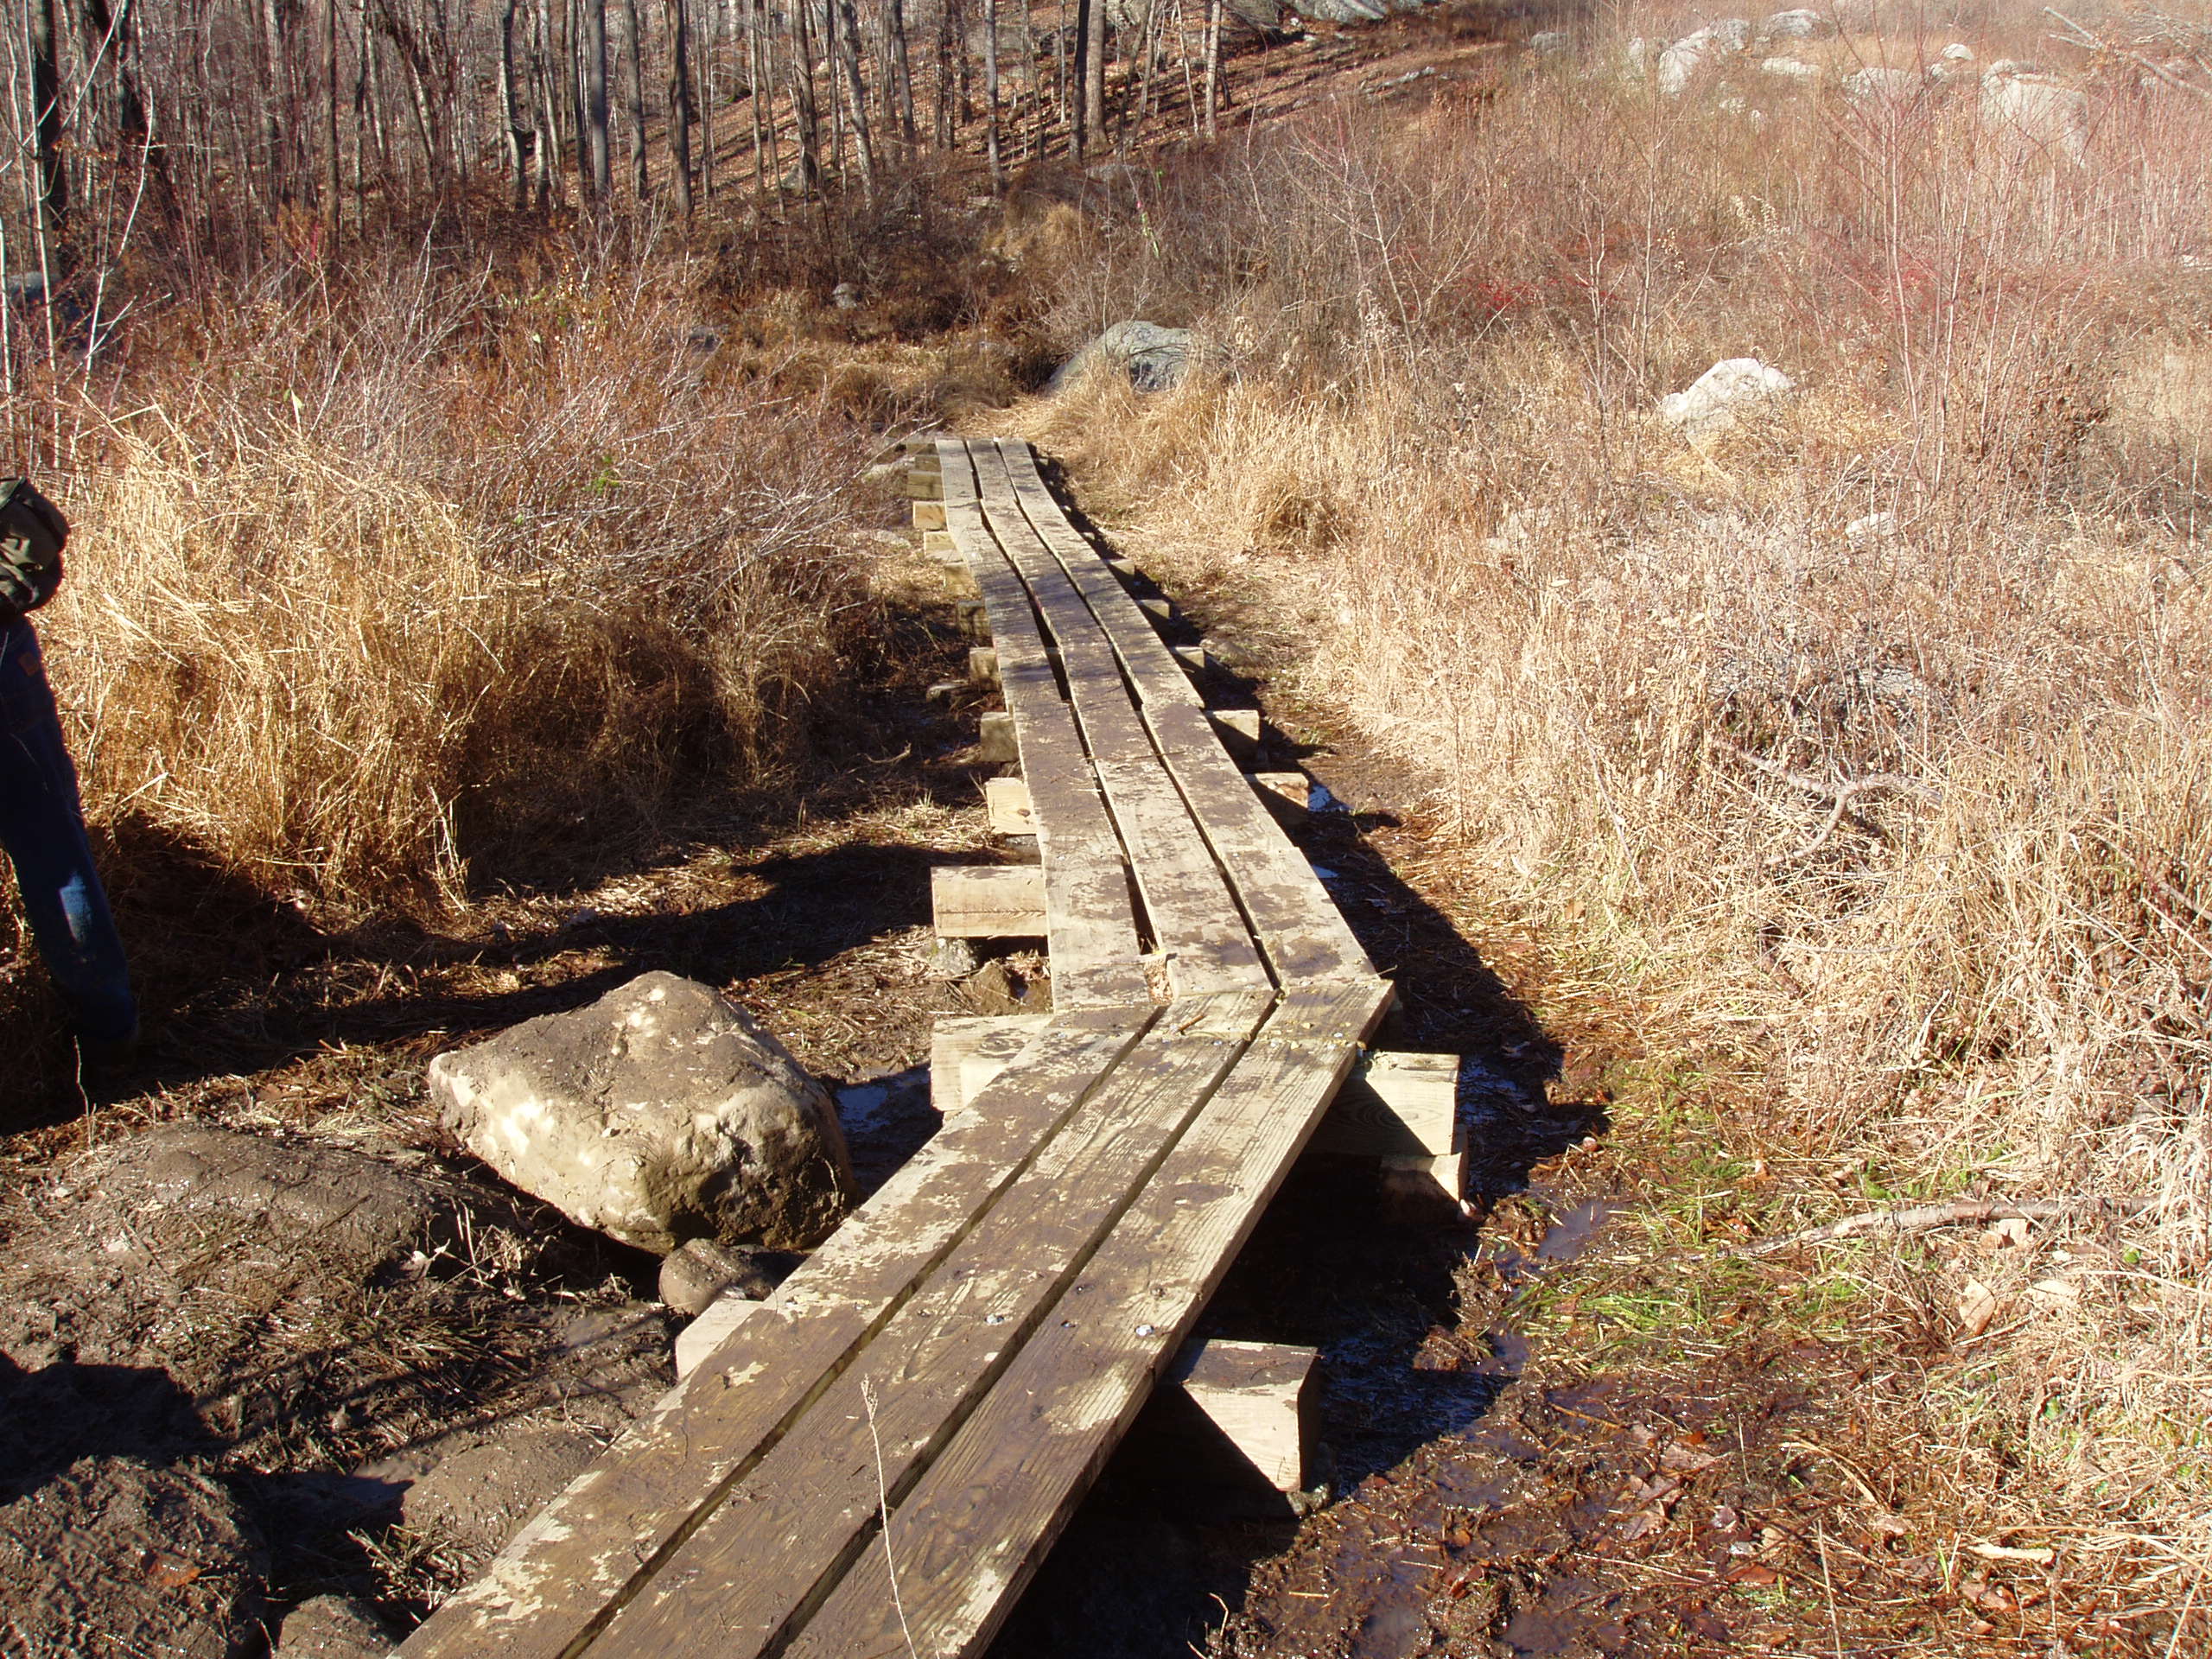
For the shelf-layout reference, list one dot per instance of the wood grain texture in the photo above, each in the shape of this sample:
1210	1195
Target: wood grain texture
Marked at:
974	1527
559	1579
788	1529
987	901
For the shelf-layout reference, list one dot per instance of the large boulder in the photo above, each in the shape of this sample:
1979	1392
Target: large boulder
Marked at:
1153	357
1681	62
2034	112
116	1557
661	1112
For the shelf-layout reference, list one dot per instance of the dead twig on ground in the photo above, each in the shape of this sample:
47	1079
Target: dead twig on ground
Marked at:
1926	1217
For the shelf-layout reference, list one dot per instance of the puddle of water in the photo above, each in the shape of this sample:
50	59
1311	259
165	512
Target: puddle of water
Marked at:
1576	1228
867	1104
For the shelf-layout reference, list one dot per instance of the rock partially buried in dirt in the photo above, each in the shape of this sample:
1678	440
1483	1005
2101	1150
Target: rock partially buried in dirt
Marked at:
697	1272
659	1113
333	1627
116	1557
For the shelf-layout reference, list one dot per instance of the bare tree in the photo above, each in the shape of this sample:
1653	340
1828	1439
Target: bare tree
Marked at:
680	114
594	100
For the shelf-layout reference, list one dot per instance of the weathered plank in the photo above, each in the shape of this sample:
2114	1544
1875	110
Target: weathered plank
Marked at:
1394	1105
1090	915
997	742
1254	1393
794	1523
1187	898
987	901
967	1051
973	1529
589	1549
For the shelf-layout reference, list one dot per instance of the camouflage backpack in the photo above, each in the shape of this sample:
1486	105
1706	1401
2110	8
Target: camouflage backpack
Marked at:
32	532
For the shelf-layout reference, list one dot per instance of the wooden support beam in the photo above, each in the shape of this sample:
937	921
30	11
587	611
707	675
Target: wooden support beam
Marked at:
1426	1178
984	665
988	901
1194	660
1159	610
1006	799
1121	567
929	515
997	745
1239	730
1254	1394
1291	786
1394	1106
968	1052
939	544
925	486
975	618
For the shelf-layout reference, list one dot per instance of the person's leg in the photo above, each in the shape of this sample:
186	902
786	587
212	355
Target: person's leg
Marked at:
42	828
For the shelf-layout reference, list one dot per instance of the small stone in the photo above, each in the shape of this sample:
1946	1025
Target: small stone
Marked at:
1877	84
1802	24
700	1269
333	1627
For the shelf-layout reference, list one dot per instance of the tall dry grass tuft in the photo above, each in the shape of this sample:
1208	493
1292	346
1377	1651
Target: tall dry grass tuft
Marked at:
439	575
1867	739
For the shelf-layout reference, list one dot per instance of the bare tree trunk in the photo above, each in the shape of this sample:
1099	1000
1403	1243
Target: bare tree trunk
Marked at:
806	114
902	65
1213	64
760	70
332	163
521	141
53	190
1090	75
848	57
594	99
542	57
679	105
634	51
991	93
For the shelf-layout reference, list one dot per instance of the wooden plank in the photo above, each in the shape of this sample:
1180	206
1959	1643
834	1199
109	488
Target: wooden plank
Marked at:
710	1329
1238	730
973	1529
1007	801
1294	787
1188	900
987	901
929	515
588	1549
1090	918
1394	1105
982	666
796	1522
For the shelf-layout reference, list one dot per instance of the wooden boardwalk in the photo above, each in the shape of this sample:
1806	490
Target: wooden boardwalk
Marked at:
876	1458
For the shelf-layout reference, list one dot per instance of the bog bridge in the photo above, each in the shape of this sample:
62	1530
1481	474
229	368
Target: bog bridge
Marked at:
874	1460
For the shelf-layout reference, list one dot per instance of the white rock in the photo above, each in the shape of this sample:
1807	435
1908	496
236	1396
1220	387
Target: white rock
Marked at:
1551	43
1957	52
1874	528
1637	57
1803	24
1876	85
2037	110
1789	69
1680	63
1714	400
659	1113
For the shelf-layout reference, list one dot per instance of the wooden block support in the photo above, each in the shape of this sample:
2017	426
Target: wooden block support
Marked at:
1254	1393
925	486
1395	1106
1121	567
997	745
1447	1172
984	665
939	544
929	515
988	901
1194	658
967	1051
1291	786
1238	729
974	618
1159	610
1006	799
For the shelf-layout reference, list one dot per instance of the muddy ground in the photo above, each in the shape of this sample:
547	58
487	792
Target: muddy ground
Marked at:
1545	1430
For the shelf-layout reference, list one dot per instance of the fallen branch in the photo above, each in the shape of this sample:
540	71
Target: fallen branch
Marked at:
1874	783
1926	1217
2092	42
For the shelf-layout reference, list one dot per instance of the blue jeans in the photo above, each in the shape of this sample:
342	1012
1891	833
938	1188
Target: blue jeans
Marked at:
42	828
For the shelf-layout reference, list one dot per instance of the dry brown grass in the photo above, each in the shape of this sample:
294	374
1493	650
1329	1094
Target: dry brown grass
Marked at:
1911	814
444	576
